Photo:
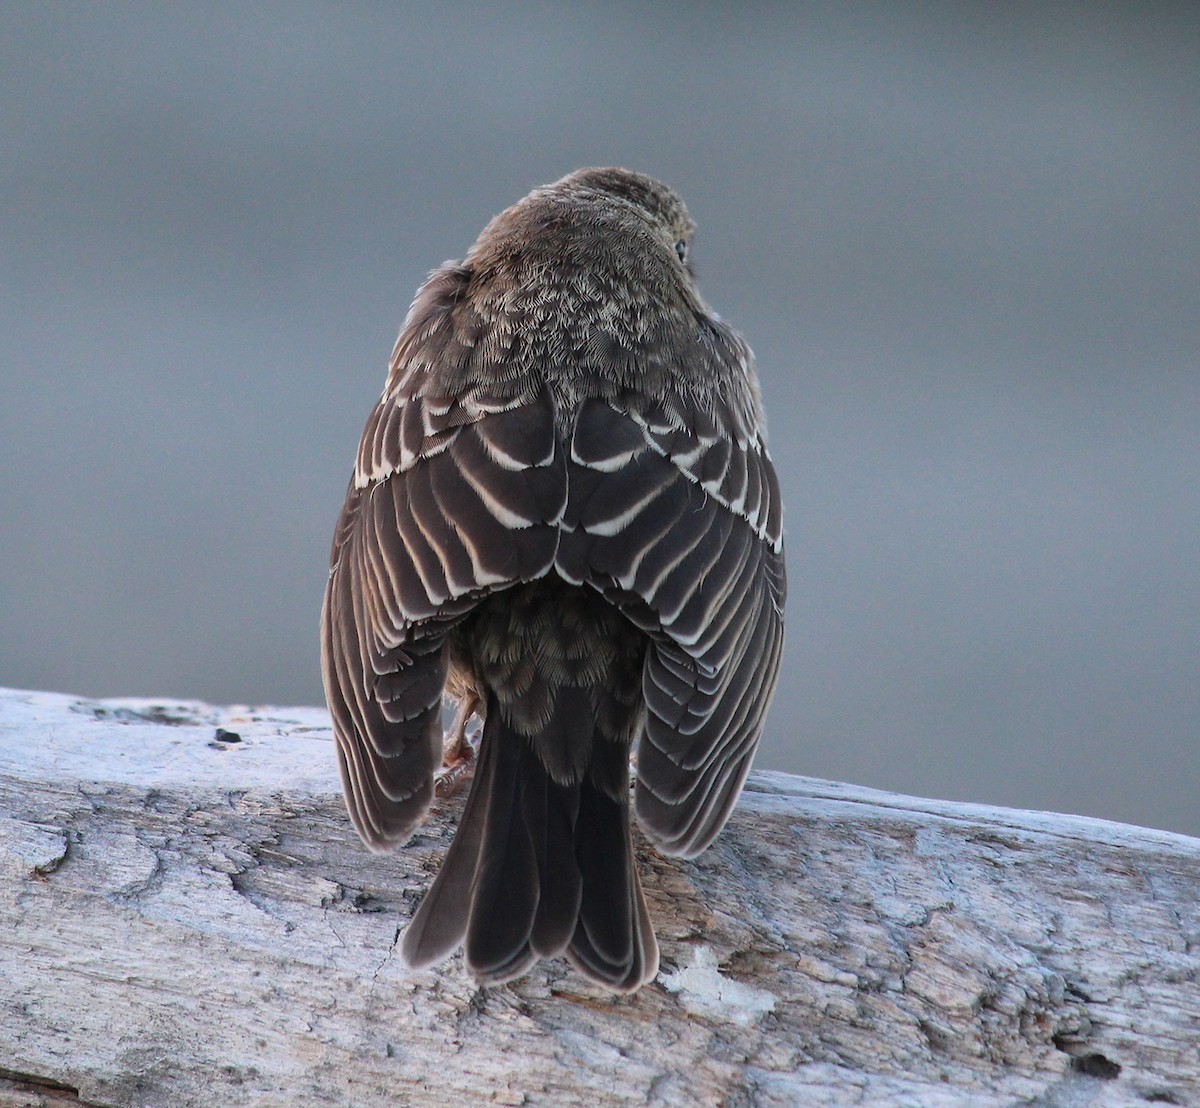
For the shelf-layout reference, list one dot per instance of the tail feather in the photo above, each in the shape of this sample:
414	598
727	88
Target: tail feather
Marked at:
604	852
440	924
634	969
614	939
538	869
551	811
504	894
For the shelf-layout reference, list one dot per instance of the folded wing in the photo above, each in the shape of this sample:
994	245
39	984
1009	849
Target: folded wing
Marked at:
676	518
452	499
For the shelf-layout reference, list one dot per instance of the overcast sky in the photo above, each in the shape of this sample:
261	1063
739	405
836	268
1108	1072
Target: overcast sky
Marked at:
963	240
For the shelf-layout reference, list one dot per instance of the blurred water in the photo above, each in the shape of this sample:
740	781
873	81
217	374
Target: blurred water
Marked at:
964	242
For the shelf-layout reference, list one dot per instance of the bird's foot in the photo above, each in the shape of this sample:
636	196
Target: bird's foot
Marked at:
458	751
447	779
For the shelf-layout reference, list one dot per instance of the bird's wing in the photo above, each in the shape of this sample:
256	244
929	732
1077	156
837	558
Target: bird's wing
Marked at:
675	514
452	498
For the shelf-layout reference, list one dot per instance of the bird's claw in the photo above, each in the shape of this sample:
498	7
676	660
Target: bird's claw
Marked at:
458	751
447	779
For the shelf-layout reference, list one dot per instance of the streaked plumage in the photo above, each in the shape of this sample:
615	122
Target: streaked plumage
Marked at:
564	507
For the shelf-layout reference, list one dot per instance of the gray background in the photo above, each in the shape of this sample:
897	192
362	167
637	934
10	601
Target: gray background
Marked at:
962	239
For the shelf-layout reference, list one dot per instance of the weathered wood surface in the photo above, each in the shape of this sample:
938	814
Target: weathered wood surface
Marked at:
186	921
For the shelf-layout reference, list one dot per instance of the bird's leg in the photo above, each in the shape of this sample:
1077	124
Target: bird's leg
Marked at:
458	749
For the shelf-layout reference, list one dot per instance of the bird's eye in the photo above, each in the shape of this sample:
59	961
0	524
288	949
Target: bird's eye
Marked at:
681	250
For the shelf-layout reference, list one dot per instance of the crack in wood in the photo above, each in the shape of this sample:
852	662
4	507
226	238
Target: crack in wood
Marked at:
35	1091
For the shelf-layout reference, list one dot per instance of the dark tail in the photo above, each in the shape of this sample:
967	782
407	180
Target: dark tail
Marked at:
538	869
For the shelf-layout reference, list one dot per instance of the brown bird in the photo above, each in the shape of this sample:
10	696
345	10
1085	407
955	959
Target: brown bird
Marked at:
563	514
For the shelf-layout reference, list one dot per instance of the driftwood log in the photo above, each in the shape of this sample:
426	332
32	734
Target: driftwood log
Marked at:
187	918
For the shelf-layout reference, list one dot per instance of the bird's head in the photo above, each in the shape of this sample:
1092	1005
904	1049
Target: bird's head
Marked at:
596	219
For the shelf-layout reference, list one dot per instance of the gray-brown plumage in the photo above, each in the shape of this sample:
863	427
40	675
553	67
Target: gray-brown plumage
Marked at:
563	510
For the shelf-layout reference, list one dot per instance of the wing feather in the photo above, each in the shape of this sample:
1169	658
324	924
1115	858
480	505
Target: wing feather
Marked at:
668	505
674	516
448	503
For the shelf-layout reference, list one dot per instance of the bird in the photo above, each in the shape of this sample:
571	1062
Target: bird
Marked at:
564	517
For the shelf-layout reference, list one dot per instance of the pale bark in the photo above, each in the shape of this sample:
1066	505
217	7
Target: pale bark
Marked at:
186	921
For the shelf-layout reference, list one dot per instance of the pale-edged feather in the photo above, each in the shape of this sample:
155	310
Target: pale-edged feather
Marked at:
703	575
414	551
